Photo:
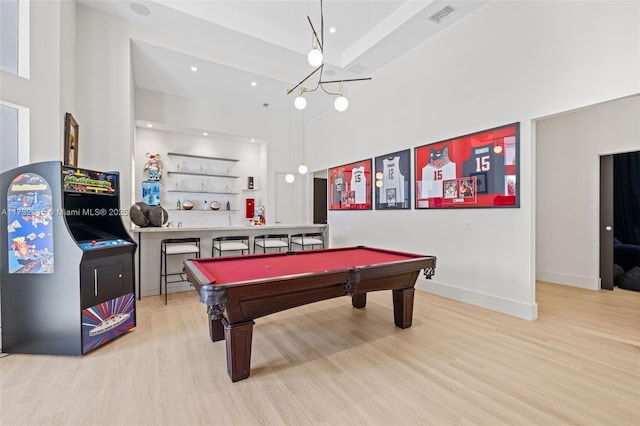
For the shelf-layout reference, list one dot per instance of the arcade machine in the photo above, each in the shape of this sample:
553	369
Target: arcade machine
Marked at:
66	260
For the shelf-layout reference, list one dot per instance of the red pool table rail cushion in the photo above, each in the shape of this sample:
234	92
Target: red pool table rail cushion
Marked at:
242	269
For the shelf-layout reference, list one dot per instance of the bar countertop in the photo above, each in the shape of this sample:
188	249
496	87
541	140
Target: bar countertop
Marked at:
223	228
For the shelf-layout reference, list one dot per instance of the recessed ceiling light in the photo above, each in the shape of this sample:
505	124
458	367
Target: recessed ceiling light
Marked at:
149	125
254	84
253	140
194	69
205	134
332	30
140	9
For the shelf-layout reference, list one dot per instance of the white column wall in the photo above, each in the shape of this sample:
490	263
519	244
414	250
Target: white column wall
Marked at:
507	62
104	86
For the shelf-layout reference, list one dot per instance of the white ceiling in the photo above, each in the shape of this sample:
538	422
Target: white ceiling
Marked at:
269	41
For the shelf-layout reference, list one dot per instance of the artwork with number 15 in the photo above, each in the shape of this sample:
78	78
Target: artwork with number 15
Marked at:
350	186
476	170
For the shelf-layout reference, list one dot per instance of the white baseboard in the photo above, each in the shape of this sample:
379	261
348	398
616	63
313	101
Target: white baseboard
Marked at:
588	283
510	307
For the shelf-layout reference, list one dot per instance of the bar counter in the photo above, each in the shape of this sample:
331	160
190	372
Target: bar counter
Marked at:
148	259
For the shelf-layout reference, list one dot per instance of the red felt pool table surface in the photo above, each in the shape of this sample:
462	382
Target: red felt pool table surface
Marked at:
248	268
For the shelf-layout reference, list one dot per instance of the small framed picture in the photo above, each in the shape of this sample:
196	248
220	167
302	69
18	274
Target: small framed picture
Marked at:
70	141
393	180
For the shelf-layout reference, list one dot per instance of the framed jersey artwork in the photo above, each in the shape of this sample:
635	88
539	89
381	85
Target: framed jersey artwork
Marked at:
350	186
476	170
393	181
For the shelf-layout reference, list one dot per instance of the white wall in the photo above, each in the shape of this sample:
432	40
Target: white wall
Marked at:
49	91
67	63
568	153
507	62
103	107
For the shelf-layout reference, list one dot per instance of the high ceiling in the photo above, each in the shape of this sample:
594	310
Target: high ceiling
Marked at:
269	41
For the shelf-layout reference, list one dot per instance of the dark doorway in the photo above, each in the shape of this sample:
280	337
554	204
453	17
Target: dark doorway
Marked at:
319	201
619	213
626	197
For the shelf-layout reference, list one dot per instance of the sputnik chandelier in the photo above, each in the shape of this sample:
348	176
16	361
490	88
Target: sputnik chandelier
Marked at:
316	59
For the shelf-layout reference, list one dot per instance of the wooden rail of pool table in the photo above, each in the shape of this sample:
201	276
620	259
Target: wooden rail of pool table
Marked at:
232	308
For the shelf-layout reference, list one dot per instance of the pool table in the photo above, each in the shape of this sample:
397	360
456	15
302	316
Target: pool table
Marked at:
239	289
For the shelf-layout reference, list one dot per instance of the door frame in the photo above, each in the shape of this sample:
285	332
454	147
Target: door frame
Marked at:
606	222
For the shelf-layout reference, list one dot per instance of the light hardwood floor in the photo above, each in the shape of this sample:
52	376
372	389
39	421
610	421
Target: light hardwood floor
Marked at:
330	364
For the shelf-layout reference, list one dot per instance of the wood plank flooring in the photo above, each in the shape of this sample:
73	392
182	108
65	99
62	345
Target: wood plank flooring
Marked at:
330	364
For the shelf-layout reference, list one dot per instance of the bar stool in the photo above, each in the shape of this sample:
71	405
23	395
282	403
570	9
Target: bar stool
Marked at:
233	243
176	246
309	239
271	241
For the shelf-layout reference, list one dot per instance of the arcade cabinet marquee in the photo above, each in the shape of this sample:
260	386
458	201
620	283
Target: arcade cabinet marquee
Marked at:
67	261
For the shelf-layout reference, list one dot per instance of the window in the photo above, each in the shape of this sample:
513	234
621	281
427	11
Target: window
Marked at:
9	36
14	136
14	37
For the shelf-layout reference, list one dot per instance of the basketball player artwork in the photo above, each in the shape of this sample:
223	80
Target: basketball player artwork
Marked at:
350	186
476	170
30	225
451	189
392	178
338	187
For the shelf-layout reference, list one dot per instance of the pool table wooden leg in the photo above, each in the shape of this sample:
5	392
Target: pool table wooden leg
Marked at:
216	329
359	300
238	337
403	307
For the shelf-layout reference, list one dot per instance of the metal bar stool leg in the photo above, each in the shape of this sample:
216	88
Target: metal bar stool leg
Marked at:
161	257
165	277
